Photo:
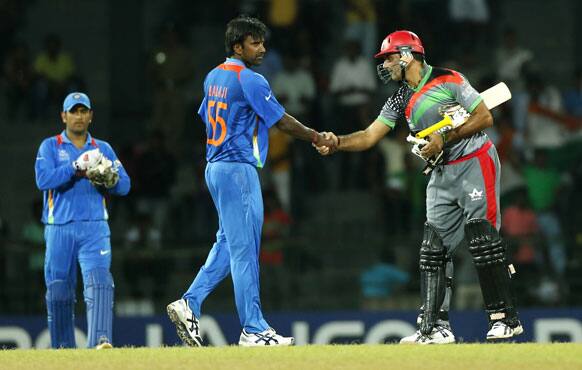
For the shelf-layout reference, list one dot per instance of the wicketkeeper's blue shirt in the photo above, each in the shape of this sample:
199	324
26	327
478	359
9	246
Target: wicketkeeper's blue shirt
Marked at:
238	109
68	197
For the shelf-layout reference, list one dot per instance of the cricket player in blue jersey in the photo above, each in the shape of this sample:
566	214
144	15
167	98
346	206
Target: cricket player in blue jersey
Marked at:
75	171
238	110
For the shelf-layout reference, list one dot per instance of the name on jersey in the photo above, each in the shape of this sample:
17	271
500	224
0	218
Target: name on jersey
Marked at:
218	91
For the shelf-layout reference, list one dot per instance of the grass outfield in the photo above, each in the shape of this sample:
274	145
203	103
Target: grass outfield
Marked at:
332	357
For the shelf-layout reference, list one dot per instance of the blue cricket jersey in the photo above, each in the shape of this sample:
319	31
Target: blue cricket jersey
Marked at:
68	197
238	110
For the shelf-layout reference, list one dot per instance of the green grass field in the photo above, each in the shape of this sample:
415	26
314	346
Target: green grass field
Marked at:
330	357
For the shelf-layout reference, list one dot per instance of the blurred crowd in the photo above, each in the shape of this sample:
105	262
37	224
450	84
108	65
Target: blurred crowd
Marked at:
320	66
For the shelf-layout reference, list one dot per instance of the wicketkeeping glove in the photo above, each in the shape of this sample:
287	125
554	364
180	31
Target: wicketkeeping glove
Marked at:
104	174
87	160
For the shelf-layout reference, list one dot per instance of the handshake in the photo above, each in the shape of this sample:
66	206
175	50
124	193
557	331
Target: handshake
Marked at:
326	143
100	170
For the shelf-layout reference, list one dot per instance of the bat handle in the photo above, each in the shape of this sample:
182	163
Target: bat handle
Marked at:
446	121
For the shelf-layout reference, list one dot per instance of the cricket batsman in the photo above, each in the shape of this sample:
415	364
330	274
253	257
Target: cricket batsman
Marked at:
76	172
462	196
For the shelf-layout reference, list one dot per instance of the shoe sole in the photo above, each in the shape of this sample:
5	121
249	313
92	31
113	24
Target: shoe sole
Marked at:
181	328
244	344
516	331
427	343
104	346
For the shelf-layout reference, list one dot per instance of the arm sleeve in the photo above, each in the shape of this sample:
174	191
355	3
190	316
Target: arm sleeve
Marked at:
261	98
393	108
124	184
47	174
465	94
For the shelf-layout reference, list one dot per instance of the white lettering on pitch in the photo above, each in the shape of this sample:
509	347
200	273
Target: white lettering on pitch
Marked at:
210	328
300	331
16	335
544	329
154	335
388	329
338	329
44	339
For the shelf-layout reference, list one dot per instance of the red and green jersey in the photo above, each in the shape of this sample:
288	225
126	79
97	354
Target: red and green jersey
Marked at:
421	106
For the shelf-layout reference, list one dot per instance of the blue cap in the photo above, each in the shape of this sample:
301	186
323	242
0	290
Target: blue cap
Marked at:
76	98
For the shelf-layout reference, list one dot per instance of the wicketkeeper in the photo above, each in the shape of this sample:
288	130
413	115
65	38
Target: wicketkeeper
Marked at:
75	171
463	193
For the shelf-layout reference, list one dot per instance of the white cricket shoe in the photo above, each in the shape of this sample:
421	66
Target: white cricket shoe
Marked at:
265	338
187	325
441	334
500	330
104	343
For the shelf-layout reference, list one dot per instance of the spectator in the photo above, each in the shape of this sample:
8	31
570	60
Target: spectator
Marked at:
142	233
295	87
56	74
547	125
352	83
380	281
469	19
361	24
544	183
155	175
512	60
522	233
573	97
395	150
170	71
19	77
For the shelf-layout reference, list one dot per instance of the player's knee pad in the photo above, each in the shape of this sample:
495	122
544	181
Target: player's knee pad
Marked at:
432	251
98	292
60	303
432	277
486	246
98	283
485	243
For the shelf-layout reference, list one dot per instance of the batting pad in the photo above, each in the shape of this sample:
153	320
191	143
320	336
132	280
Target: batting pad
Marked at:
60	304
99	301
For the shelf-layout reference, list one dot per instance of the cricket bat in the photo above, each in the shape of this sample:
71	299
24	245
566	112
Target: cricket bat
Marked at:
492	97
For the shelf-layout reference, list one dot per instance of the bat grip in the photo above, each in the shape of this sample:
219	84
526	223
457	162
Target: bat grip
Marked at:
446	121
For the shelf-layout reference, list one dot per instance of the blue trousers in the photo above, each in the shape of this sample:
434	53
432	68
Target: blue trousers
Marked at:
87	243
236	192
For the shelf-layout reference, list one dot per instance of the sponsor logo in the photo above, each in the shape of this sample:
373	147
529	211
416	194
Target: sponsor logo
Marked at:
104	252
476	195
63	155
268	97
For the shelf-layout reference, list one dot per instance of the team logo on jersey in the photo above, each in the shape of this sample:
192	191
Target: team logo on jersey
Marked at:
63	155
476	195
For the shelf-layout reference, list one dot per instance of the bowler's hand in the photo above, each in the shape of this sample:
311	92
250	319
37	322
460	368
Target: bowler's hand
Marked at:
326	143
434	146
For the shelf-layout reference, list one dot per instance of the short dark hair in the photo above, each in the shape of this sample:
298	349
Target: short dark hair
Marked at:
239	28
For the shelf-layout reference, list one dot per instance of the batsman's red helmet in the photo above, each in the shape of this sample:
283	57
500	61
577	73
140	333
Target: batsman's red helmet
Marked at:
394	41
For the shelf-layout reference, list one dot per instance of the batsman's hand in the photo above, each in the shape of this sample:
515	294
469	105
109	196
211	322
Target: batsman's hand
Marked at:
104	174
434	146
326	143
88	159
